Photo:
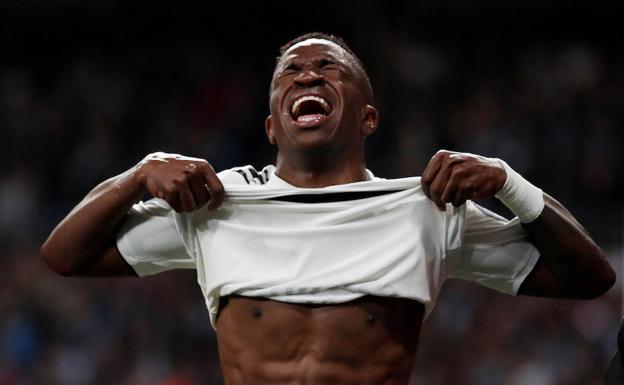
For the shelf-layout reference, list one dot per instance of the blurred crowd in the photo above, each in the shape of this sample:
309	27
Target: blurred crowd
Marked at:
551	109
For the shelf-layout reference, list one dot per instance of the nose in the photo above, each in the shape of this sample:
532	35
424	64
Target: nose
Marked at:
309	77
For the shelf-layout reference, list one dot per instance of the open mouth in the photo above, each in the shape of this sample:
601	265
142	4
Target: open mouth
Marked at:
310	108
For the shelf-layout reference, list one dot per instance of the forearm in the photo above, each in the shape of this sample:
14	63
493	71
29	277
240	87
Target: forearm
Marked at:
89	229
576	266
571	265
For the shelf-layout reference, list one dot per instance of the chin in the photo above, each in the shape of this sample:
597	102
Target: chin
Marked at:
316	138
314	145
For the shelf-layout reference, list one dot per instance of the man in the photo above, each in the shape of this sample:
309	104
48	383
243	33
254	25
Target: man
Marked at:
315	271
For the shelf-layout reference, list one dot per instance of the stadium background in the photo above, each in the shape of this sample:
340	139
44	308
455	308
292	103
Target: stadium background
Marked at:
88	88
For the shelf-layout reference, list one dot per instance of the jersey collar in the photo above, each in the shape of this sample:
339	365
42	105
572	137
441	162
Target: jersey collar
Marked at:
276	182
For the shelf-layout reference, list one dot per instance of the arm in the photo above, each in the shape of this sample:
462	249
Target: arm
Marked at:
83	244
571	265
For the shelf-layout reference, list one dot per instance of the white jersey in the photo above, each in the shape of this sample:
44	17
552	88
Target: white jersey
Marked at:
326	245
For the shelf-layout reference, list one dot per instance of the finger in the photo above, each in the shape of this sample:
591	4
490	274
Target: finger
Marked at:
155	189
430	173
215	187
172	197
187	201
200	192
460	198
465	191
458	189
450	191
437	187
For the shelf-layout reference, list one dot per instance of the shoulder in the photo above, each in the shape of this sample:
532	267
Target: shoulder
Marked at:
246	175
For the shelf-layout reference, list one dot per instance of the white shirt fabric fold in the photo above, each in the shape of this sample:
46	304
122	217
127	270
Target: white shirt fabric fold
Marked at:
260	243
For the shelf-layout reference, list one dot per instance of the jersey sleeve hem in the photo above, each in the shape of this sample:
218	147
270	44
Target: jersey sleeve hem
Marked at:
130	256
529	264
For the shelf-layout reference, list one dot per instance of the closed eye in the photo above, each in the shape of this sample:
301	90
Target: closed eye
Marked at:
324	63
292	67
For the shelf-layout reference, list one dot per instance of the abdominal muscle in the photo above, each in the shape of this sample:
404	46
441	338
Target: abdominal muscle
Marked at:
369	341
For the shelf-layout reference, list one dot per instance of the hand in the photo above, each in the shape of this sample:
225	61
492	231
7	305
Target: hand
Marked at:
454	177
185	183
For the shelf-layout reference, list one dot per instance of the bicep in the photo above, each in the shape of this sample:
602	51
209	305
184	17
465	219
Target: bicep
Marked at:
541	282
572	266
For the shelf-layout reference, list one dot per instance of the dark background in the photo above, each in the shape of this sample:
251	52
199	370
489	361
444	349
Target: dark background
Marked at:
89	88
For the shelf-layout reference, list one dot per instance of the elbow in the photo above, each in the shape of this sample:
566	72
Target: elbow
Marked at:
598	289
54	261
606	282
607	277
602	282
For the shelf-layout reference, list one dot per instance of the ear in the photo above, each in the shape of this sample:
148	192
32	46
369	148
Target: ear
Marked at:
370	121
268	127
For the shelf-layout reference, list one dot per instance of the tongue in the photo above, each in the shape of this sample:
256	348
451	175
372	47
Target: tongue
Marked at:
310	117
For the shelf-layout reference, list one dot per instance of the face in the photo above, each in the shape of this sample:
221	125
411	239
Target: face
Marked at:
318	99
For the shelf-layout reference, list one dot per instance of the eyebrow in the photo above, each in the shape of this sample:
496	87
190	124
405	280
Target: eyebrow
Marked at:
290	60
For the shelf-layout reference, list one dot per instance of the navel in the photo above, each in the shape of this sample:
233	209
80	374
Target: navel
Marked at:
371	319
255	311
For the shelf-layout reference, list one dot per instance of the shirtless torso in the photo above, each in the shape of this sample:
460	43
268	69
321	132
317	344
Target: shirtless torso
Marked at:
372	340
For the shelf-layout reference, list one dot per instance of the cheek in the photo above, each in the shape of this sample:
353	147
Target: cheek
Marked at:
352	99
273	101
275	104
348	87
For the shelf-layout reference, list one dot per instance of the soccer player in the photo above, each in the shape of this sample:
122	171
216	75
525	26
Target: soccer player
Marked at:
314	270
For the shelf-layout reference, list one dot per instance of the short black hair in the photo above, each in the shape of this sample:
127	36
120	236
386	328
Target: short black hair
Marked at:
336	40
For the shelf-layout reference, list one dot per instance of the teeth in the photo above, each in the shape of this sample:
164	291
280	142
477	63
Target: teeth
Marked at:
302	99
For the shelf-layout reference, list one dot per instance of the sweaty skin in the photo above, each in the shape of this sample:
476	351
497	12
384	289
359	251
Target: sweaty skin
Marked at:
371	340
364	342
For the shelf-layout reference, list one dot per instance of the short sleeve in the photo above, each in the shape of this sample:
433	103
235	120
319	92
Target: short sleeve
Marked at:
495	252
149	239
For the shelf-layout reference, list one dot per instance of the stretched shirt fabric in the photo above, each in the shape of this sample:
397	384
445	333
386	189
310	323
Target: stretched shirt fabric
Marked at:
326	245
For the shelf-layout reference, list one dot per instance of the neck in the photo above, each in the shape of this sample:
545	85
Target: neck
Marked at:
323	172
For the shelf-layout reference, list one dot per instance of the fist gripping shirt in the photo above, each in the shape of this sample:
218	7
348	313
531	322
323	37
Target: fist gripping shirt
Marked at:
380	237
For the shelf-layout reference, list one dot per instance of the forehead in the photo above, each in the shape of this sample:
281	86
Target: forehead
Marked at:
315	47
